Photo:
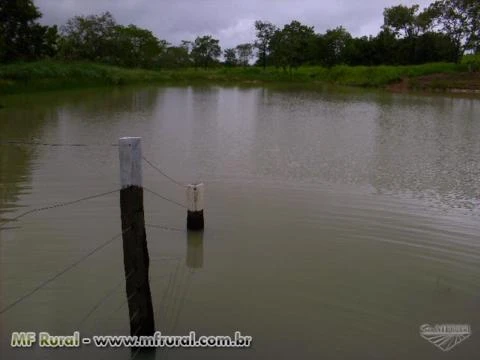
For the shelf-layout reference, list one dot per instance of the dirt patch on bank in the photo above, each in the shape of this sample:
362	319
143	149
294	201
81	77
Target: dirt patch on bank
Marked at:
455	82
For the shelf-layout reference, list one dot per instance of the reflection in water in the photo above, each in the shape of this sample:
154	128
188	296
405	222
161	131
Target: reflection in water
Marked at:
174	297
194	259
407	145
310	217
43	244
24	123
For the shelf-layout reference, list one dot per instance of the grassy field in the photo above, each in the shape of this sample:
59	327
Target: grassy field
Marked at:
51	75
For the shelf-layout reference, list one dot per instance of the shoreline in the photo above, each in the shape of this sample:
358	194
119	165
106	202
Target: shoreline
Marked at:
460	83
52	75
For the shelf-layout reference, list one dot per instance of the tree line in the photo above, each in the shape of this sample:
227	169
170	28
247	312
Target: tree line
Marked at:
443	31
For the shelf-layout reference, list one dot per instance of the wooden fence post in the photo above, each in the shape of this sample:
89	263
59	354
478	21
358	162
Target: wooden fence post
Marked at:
195	195
135	251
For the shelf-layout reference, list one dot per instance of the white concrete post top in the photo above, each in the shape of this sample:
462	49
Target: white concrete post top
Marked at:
130	152
195	197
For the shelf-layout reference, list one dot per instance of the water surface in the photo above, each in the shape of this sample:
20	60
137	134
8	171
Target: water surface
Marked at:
337	221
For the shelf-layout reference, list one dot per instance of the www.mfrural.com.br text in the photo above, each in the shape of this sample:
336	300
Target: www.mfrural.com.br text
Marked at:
46	340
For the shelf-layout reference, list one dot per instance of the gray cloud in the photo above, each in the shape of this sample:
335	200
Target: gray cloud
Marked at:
228	20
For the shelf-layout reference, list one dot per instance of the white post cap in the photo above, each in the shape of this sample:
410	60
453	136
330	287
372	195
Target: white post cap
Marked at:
130	152
195	196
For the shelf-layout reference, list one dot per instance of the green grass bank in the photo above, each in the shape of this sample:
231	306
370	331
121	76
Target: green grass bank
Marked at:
53	75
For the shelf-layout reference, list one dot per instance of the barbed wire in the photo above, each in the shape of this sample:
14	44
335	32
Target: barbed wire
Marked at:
68	268
137	351
57	205
181	300
167	228
118	308
60	273
102	300
177	286
165	302
37	143
68	203
162	172
164	198
178	297
164	307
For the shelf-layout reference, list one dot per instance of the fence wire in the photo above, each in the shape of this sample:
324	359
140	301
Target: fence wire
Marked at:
166	228
37	143
174	294
60	273
162	172
57	205
104	298
164	198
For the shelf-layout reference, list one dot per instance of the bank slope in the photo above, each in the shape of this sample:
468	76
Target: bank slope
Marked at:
52	75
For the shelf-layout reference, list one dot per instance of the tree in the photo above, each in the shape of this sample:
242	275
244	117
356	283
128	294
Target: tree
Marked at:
459	19
401	20
89	37
291	45
50	41
187	45
264	33
335	42
43	41
434	47
245	53
360	51
175	57
230	57
205	51
136	47
21	37
408	22
385	46
425	20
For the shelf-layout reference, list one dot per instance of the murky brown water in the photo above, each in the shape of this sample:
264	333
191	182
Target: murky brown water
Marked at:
338	222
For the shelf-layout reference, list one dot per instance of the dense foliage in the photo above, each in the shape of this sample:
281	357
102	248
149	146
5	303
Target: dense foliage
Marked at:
21	37
442	32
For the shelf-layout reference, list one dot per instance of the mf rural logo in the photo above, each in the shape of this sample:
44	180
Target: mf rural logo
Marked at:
445	336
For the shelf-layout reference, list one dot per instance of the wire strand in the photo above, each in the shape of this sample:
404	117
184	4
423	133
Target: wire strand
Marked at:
167	228
134	355
163	173
62	204
37	143
164	304
122	304
182	301
65	270
164	198
112	291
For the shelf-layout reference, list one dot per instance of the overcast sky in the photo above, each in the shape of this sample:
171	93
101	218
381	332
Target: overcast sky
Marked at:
228	20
